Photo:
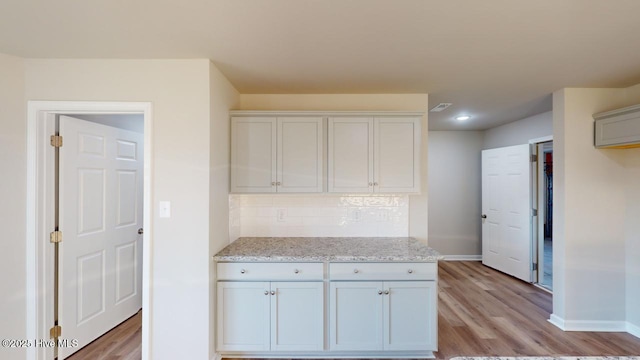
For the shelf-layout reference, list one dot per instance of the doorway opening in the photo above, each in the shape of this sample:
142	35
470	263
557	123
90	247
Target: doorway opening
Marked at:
543	222
91	187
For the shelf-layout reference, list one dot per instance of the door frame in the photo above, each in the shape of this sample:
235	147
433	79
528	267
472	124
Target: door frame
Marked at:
536	220
39	301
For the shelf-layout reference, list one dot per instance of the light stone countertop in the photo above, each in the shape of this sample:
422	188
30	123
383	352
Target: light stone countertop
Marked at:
314	249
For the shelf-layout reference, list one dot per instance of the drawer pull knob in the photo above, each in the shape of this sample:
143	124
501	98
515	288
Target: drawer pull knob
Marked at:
379	292
296	271
266	292
410	271
386	292
273	292
355	271
242	271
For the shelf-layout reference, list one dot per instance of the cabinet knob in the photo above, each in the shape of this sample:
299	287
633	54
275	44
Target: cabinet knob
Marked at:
266	292
410	271
355	271
296	271
273	292
386	292
375	184
273	183
278	183
242	271
379	292
370	184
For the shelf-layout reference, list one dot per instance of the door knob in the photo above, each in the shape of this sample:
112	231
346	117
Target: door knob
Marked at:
484	216
140	231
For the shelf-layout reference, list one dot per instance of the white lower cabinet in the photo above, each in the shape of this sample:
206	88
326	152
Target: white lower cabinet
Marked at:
270	316
388	315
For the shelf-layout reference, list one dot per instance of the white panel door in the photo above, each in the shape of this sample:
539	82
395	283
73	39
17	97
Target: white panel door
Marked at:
243	316
101	170
253	154
410	322
355	315
297	316
397	155
350	163
299	160
506	202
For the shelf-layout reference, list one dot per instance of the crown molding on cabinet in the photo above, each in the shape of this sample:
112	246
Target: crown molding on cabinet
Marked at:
237	113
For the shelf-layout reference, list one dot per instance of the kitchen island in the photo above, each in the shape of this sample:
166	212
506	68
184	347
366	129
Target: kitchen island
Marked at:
326	297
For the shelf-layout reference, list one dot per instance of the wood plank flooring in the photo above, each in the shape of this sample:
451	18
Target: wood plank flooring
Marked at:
123	342
482	312
485	312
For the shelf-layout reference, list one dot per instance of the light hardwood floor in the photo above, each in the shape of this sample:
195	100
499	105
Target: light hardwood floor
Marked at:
121	343
482	312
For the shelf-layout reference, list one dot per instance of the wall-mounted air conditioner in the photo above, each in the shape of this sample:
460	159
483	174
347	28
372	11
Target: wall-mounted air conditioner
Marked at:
619	129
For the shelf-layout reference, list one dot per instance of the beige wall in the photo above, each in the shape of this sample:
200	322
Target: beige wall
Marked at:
223	96
180	94
592	192
632	194
632	164
418	204
454	196
13	194
519	132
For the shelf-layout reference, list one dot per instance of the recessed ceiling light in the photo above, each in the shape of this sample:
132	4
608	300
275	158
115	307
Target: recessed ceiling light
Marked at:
463	117
440	107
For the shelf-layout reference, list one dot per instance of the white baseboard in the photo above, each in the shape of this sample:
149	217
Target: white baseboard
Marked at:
633	329
557	321
589	325
462	257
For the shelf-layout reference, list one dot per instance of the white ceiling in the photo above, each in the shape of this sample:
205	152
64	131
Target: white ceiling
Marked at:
497	60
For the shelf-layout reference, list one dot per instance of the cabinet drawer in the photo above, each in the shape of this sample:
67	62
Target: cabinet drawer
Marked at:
383	271
270	271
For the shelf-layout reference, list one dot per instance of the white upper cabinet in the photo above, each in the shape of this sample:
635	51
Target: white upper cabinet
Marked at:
397	155
299	152
374	154
272	154
350	154
284	152
253	154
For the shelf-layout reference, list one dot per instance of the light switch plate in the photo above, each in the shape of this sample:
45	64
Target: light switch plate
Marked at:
165	209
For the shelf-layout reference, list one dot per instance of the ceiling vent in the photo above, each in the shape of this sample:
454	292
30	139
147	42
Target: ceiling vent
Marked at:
440	107
618	129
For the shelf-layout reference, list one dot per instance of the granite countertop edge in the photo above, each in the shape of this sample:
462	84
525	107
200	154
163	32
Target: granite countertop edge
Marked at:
323	249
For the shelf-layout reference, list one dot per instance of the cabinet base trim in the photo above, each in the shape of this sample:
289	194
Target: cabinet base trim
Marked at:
330	355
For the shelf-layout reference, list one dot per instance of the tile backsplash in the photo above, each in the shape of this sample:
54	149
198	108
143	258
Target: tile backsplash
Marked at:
318	215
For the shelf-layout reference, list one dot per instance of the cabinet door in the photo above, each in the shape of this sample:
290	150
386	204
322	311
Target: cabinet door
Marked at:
243	316
350	163
297	316
253	154
355	315
410	315
397	155
299	154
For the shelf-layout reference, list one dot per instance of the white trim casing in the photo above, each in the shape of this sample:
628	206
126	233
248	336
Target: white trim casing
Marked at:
541	139
38	199
462	258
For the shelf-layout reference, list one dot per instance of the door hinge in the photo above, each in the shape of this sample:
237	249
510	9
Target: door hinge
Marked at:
55	237
534	158
534	266
55	332
534	212
56	141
